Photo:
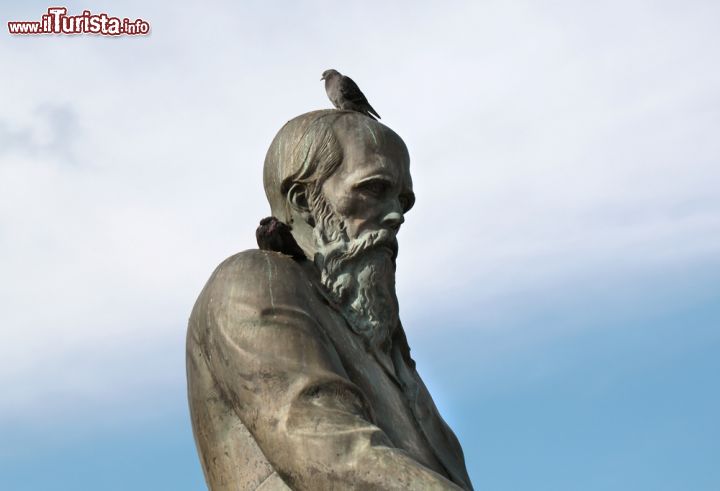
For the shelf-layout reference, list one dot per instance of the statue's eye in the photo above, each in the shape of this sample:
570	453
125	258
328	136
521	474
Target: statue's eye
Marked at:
376	187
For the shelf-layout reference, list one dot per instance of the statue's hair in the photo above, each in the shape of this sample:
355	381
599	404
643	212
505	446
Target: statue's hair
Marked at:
305	150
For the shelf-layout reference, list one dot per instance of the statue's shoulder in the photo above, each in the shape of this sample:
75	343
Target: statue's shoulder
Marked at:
248	287
257	265
258	276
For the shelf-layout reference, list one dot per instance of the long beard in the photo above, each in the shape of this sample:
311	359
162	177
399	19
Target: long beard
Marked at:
359	276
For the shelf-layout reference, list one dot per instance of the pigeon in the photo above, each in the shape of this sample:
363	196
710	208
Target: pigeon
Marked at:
274	235
345	94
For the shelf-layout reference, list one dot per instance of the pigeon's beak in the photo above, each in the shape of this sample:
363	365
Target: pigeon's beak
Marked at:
322	78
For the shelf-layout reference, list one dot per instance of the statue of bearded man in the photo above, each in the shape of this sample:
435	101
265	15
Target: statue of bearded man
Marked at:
299	372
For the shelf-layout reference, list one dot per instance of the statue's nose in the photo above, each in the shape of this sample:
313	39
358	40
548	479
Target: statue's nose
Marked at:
393	220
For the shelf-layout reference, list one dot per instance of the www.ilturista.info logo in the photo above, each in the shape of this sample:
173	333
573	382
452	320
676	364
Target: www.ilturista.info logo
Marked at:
56	21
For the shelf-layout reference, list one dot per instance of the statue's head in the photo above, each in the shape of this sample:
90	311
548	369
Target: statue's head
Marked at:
341	180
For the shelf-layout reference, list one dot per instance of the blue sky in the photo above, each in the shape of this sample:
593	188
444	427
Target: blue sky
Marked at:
558	277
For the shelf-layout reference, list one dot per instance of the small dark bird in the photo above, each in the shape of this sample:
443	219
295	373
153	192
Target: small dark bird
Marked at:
345	94
274	235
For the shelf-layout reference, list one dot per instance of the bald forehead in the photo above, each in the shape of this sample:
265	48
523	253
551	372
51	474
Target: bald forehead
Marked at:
370	151
357	131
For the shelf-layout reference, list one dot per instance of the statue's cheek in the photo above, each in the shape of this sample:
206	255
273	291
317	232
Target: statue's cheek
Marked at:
353	205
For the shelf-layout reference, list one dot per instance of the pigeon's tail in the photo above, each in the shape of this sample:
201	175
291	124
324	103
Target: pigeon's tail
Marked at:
372	113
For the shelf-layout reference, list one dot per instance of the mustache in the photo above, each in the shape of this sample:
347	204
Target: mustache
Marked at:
342	251
374	239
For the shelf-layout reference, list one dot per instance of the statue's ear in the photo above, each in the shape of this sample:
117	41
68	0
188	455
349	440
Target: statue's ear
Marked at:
298	201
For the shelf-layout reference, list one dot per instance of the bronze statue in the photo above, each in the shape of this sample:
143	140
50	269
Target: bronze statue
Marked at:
299	372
